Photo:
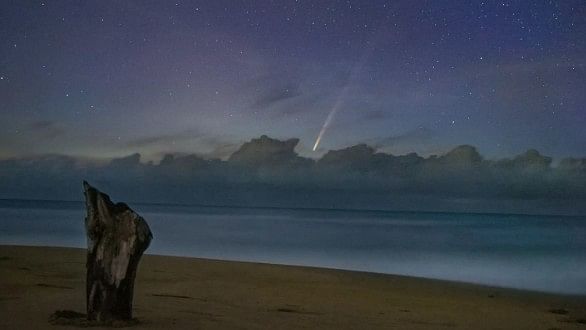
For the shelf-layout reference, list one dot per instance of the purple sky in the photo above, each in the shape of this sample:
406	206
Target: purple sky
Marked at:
107	78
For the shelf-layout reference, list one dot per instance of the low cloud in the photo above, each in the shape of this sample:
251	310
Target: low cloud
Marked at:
269	172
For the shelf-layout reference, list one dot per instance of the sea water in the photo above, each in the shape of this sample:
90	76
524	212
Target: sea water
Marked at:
544	253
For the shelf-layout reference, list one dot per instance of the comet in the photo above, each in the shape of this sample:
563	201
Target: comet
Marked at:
341	96
330	117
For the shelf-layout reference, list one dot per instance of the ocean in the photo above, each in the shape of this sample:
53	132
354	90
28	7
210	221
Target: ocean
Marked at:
543	253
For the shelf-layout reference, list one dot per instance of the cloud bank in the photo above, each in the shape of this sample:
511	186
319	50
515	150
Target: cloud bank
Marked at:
268	172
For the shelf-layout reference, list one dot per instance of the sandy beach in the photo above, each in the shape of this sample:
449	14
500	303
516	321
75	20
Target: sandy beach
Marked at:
189	293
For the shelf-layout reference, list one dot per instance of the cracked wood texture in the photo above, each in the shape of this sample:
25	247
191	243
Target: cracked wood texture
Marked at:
116	237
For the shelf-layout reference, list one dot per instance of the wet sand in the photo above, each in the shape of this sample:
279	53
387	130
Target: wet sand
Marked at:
189	293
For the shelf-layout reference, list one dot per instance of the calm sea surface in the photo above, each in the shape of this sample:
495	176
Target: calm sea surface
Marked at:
546	253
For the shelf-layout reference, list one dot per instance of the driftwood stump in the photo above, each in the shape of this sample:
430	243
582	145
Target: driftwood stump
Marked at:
116	238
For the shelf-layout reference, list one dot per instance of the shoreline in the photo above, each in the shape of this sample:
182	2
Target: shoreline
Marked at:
184	293
310	267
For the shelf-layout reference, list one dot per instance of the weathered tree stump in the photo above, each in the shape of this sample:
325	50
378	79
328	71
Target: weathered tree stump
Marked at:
116	238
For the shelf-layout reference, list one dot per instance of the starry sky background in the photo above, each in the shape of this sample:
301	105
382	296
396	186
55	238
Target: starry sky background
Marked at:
107	78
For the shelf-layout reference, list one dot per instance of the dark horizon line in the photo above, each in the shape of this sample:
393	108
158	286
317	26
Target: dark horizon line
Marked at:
320	209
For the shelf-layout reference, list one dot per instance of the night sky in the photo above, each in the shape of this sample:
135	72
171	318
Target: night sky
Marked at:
107	78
